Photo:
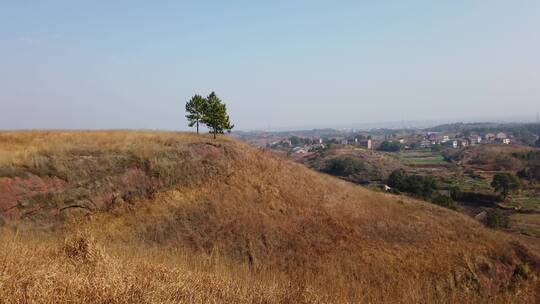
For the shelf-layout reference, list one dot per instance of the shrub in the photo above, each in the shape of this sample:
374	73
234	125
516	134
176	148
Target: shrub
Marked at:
477	198
390	146
497	220
505	183
532	170
522	271
444	201
436	148
530	173
343	166
422	186
397	179
451	155
81	247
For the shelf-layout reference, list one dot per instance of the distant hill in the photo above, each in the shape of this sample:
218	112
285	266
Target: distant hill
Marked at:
491	157
118	216
486	127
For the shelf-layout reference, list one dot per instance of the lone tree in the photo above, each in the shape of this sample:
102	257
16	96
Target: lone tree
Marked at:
195	109
504	183
215	115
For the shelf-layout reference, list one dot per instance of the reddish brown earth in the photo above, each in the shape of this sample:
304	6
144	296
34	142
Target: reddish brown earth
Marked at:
16	190
80	181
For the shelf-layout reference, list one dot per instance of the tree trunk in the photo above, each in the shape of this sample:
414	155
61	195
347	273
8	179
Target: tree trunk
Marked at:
197	127
215	132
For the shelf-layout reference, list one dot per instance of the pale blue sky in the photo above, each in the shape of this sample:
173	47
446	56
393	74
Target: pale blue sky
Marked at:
133	64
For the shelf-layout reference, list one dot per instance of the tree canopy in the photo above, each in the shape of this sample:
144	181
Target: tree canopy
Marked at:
344	166
195	108
210	111
421	186
505	183
390	146
215	115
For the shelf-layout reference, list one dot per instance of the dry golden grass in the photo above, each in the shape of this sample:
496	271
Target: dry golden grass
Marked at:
255	229
76	269
23	147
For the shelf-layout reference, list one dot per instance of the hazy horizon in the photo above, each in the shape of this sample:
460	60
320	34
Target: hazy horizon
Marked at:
280	64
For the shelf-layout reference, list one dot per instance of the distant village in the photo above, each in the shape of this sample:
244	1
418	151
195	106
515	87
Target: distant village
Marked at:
302	142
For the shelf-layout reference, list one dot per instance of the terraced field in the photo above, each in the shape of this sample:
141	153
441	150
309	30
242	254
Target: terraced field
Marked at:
413	158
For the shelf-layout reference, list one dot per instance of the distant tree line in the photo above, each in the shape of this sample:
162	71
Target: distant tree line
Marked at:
487	127
210	111
524	132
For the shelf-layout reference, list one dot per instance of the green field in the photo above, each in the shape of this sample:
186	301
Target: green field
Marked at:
524	201
421	158
466	183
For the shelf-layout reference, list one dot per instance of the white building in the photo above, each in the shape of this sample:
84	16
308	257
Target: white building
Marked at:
501	136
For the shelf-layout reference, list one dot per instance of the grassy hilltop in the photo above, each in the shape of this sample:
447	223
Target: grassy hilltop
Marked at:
131	217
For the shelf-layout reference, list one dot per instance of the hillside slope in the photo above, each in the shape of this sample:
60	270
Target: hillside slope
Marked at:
491	157
171	217
369	166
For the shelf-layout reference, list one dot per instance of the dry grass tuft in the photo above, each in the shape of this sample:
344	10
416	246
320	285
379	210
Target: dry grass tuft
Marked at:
82	248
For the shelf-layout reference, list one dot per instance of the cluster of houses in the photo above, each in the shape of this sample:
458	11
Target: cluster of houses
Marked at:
314	144
456	141
303	149
303	145
359	142
309	145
